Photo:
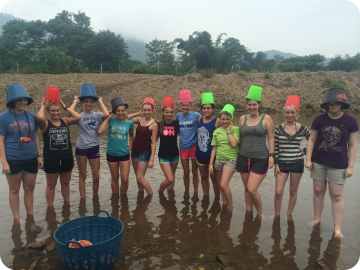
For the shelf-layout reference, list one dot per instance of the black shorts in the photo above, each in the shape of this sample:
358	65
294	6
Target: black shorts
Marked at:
113	159
294	167
23	166
59	165
254	165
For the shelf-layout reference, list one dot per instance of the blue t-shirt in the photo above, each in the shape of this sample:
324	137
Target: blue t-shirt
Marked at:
118	135
9	128
187	125
204	137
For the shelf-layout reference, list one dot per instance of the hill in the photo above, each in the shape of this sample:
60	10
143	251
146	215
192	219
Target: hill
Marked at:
271	53
4	18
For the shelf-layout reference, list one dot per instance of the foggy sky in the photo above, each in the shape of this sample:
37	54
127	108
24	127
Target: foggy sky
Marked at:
301	27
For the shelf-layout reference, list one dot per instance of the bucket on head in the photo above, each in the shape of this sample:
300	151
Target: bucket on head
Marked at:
185	96
16	91
254	93
168	103
336	95
52	94
207	98
150	101
116	102
228	108
294	101
88	90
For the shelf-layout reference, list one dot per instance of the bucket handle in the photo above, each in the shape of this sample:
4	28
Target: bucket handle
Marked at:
73	241
102	211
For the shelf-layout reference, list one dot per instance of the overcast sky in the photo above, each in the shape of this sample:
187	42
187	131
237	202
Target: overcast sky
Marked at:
301	27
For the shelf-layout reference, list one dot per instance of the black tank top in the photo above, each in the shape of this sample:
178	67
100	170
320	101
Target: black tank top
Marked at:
57	144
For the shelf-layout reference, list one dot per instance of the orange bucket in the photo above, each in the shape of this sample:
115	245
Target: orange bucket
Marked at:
52	94
168	102
150	101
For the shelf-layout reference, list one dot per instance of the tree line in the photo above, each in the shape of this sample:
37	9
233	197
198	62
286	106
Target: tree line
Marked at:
67	44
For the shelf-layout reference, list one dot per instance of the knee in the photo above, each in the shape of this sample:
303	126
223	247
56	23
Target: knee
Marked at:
293	192
124	180
96	178
50	186
224	186
195	173
186	174
204	176
65	183
336	197
319	192
170	180
14	190
252	191
139	179
29	188
279	194
82	176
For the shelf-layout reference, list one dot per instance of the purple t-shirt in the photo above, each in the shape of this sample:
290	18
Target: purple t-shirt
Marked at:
331	145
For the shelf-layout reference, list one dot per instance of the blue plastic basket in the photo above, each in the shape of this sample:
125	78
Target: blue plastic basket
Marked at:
105	234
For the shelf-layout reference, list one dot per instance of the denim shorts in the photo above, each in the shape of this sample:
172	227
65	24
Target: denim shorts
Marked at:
143	157
168	160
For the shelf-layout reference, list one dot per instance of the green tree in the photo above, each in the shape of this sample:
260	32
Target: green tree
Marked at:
53	60
231	55
160	55
313	62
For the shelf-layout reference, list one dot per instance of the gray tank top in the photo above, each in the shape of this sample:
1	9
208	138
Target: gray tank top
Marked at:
253	143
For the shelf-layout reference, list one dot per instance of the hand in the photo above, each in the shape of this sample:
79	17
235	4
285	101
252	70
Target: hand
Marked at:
211	169
110	114
100	99
40	163
271	162
6	167
277	170
43	103
348	172
229	127
308	165
302	152
129	147
62	104
151	163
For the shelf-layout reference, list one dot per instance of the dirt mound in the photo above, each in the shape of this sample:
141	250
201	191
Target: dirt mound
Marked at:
230	88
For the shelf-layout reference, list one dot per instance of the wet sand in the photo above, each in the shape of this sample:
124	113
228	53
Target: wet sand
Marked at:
173	230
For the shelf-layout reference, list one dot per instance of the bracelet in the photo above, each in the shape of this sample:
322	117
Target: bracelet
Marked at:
76	100
229	133
40	156
271	154
65	109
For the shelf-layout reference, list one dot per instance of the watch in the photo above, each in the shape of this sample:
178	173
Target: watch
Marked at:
229	133
40	156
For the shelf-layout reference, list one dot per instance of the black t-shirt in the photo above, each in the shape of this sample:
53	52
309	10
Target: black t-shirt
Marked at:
168	140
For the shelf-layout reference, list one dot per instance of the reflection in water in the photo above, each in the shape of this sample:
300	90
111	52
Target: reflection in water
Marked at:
82	207
115	205
314	248
96	204
65	212
52	224
18	244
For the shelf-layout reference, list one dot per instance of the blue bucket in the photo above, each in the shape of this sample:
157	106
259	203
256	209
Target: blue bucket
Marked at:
16	91
88	90
105	234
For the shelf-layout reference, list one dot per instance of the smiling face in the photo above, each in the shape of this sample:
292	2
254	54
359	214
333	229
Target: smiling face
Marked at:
121	113
88	104
185	107
207	110
252	106
20	104
290	113
54	111
147	110
225	119
168	114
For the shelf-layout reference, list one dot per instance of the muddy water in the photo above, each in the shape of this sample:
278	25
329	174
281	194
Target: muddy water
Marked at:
173	231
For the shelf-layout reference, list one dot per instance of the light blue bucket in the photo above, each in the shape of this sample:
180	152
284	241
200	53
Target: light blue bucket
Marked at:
88	90
16	91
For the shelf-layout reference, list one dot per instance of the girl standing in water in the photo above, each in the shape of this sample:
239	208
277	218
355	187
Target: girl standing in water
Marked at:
289	157
225	144
19	148
331	153
187	124
168	150
121	137
205	129
58	156
143	152
87	145
254	158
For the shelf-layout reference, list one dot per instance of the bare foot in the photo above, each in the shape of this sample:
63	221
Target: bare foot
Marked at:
338	234
289	218
261	216
231	210
314	223
158	190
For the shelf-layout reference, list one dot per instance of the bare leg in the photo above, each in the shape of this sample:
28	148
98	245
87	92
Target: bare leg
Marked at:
173	167
65	185
195	174
51	180
140	177
14	182
294	185
124	174
114	170
169	175
248	201
135	163
186	168
216	185
318	197
337	206
225	180
218	175
29	186
279	191
204	174
95	172
81	163
253	184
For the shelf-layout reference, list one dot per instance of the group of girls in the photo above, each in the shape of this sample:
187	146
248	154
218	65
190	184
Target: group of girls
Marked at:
214	145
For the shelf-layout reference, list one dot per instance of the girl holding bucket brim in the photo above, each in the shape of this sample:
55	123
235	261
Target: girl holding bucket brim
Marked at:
168	150
58	156
121	138
254	158
289	157
187	125
144	148
19	148
87	145
331	153
205	129
225	142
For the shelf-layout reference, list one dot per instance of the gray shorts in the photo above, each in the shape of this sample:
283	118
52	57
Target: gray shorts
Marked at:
225	165
321	172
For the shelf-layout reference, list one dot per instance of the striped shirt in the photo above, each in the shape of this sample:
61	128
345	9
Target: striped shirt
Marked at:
287	147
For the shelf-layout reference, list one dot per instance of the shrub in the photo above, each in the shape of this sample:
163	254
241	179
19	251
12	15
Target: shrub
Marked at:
330	83
288	78
254	71
207	73
241	73
309	105
267	75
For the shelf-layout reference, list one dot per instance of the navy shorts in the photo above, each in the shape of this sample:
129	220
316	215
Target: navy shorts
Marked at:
90	153
23	166
143	157
59	166
254	165
294	167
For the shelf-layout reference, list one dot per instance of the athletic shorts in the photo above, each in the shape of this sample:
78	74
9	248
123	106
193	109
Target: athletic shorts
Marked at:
254	165
225	165
58	166
203	162
113	159
143	157
188	153
29	166
169	160
293	167
90	153
322	172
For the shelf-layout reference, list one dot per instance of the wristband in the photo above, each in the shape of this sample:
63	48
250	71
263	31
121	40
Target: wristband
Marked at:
65	109
40	156
76	100
271	154
229	133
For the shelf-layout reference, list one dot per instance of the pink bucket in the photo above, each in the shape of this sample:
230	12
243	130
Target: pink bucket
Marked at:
185	96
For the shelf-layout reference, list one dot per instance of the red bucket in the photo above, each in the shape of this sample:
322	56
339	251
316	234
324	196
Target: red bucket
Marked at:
52	94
